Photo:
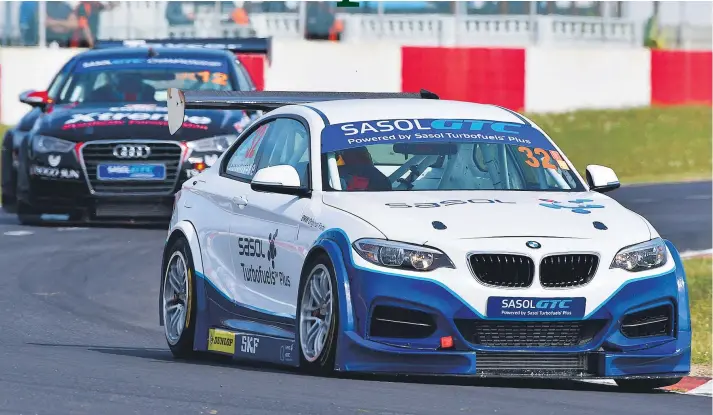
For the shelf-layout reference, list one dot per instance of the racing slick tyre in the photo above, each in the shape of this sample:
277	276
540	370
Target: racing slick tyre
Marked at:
318	318
645	385
8	201
178	291
26	215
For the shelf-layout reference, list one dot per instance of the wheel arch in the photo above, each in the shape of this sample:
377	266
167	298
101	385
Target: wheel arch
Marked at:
186	230
332	243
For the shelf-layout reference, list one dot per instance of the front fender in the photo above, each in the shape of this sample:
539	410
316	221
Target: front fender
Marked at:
333	241
684	307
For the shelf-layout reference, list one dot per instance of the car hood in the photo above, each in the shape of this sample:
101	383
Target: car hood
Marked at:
142	121
410	216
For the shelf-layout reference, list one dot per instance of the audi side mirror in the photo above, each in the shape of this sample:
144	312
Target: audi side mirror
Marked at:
35	99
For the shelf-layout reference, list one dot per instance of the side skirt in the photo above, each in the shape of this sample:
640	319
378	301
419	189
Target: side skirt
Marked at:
229	328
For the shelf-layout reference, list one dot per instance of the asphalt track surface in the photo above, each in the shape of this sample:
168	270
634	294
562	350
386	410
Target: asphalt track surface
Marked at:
79	334
680	212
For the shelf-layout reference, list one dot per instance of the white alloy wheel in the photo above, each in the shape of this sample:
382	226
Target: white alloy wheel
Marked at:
316	312
175	297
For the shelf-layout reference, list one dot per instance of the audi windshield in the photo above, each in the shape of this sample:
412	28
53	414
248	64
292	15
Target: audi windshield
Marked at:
143	80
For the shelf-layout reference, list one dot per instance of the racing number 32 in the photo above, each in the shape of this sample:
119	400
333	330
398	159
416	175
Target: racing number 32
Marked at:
535	162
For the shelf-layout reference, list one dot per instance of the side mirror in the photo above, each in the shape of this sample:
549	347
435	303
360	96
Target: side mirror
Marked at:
35	98
602	179
282	179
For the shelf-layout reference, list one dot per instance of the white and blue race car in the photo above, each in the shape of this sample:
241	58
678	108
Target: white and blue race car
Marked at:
403	234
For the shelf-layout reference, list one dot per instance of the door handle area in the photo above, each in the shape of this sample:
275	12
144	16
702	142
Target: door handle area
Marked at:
240	201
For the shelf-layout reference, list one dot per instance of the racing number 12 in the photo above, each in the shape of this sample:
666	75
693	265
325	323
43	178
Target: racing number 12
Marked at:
533	161
217	78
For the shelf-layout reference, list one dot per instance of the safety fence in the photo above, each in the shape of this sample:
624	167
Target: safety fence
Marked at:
537	79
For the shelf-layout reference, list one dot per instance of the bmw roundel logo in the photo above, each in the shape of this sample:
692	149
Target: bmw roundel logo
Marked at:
533	244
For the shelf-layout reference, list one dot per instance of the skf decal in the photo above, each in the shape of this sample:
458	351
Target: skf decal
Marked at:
248	344
445	203
221	341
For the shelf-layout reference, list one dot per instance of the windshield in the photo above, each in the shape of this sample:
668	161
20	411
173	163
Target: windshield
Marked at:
142	80
440	154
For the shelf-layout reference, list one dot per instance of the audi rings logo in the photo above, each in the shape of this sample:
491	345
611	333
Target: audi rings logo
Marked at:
129	151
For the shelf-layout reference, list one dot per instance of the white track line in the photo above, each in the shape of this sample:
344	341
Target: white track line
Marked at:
18	233
600	381
704	390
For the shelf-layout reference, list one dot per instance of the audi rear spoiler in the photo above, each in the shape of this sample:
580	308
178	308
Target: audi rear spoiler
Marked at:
179	101
257	45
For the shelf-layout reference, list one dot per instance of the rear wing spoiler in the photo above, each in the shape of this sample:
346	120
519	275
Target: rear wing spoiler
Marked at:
179	101
257	45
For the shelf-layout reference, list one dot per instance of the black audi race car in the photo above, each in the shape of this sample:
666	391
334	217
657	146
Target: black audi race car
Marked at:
100	150
15	135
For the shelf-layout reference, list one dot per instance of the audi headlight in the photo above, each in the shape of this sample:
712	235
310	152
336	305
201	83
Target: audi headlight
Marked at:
44	144
641	257
218	144
401	255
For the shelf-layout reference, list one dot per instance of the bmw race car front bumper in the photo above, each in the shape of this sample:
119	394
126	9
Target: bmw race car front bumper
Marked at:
400	325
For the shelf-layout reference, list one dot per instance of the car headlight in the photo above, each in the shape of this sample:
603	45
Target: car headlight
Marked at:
44	144
401	255
641	257
218	143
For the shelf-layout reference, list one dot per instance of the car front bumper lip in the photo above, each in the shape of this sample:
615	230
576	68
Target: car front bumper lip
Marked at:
362	355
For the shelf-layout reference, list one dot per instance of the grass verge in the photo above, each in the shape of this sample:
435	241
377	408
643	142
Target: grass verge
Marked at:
652	144
700	279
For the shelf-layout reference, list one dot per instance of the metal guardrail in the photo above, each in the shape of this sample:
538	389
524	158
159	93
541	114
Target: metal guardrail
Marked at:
492	30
